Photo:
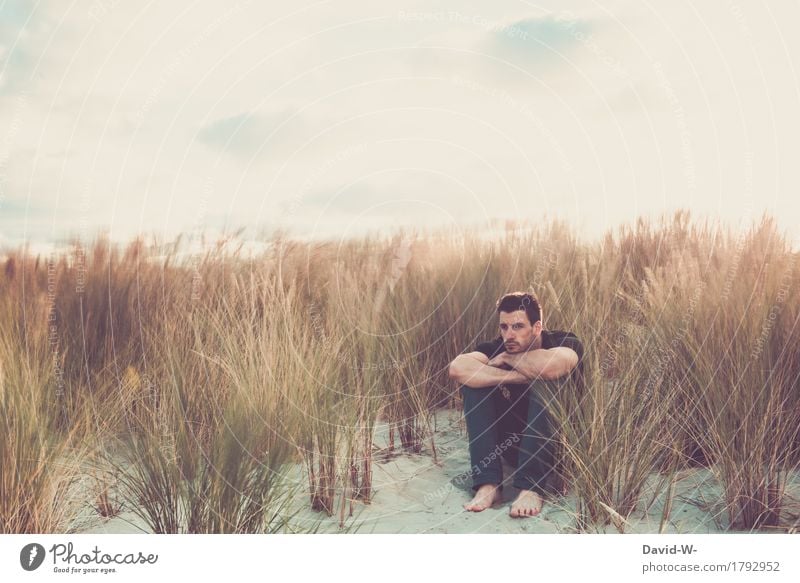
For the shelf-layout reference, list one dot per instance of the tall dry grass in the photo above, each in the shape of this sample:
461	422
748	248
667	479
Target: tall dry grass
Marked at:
733	349
39	461
208	376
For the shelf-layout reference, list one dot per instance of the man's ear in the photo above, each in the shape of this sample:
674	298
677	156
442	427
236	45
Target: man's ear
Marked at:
537	327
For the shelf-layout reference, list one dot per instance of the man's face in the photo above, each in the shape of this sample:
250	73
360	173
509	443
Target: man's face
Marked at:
517	332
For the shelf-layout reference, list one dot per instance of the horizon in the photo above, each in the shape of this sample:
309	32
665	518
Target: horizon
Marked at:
189	245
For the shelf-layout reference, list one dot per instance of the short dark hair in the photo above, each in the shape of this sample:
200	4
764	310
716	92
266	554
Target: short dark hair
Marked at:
521	301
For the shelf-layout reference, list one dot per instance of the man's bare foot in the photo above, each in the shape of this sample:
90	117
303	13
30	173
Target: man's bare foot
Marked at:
485	496
528	503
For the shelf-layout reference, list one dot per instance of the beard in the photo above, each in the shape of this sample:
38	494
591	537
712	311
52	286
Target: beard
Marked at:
517	346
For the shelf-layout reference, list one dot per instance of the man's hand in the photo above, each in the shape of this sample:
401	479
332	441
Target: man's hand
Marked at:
473	369
502	360
543	363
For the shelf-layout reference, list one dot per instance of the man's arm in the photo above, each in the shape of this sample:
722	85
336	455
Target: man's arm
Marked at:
473	369
547	364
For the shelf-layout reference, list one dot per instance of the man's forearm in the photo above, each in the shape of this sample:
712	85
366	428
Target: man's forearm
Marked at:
532	364
544	364
482	376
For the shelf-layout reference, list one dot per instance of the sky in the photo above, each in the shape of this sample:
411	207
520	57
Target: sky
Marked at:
330	119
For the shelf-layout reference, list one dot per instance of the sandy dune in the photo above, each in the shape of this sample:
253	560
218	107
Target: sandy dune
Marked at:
412	494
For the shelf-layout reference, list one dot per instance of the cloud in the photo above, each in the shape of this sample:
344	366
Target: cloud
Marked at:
17	19
11	208
410	196
374	198
24	218
248	134
120	113
538	39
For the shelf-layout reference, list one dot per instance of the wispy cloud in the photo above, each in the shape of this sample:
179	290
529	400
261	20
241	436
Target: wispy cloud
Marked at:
249	134
16	19
323	115
538	38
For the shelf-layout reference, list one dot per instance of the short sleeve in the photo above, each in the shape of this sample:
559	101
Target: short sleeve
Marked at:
572	341
568	340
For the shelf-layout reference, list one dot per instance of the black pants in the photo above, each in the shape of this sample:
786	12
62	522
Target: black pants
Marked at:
518	429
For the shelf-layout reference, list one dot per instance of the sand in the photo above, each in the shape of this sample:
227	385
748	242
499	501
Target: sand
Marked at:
413	494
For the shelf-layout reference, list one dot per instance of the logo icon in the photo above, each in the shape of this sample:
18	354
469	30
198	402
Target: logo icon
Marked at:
31	556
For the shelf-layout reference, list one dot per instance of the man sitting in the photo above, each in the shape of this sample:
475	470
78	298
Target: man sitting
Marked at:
523	356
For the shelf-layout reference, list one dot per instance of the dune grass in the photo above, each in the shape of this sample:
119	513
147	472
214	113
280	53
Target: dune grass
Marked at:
206	378
39	460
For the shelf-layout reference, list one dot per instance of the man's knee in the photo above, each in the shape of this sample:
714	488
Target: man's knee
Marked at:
467	393
541	392
478	399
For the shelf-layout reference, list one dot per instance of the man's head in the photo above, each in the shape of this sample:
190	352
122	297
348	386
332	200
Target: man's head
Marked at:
520	321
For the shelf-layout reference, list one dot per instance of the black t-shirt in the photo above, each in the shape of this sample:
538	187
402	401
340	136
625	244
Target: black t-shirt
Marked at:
550	339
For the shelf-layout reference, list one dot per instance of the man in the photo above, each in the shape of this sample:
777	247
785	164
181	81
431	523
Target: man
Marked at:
524	356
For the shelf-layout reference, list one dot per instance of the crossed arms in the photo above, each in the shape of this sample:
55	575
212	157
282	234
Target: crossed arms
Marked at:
476	370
